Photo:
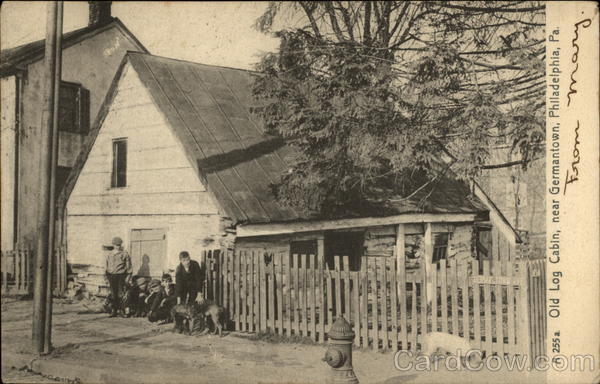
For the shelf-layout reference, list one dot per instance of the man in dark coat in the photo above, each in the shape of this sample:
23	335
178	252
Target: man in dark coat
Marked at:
188	279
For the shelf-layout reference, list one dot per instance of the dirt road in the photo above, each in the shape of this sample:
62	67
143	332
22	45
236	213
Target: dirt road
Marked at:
94	348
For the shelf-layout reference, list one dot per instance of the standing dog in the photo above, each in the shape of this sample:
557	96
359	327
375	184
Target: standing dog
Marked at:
192	317
216	313
186	317
436	343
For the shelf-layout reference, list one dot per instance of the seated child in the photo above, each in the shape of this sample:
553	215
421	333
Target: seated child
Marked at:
142	283
160	303
134	297
167	283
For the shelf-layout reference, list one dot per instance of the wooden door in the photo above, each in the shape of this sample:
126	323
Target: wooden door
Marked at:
148	252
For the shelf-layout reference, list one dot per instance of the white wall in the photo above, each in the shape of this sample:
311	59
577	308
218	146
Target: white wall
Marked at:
86	234
7	159
162	192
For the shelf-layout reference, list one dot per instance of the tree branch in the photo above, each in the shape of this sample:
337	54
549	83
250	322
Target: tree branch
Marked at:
346	19
490	9
309	13
334	24
367	24
504	165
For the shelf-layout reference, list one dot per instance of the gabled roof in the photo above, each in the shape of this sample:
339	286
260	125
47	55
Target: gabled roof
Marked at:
208	108
15	59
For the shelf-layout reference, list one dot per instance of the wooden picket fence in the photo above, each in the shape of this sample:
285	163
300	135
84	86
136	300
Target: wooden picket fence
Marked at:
60	271
17	271
298	295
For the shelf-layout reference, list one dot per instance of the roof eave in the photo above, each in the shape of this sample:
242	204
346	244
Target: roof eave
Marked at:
115	22
268	229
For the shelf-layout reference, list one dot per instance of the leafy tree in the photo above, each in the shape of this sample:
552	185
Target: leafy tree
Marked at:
390	94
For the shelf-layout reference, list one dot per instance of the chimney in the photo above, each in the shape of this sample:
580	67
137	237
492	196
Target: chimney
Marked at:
99	13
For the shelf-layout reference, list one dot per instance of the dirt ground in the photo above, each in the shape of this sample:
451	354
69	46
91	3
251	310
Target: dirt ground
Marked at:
121	348
19	376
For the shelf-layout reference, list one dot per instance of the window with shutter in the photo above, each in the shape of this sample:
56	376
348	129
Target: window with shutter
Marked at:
73	110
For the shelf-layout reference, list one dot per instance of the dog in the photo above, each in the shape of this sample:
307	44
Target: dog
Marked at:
187	318
216	313
439	343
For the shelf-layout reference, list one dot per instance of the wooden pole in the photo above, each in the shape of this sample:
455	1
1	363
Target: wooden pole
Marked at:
41	260
54	163
428	260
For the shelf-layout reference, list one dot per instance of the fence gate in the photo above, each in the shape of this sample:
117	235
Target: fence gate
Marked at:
387	304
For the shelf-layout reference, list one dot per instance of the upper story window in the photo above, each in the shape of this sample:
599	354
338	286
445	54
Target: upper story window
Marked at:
119	164
74	107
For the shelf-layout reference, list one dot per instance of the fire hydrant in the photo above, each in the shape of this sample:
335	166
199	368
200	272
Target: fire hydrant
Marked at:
339	352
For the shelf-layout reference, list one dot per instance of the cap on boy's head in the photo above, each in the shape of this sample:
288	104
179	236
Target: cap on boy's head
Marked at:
154	283
184	255
166	277
117	241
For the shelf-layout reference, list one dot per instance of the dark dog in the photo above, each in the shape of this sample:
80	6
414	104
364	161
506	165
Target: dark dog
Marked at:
187	318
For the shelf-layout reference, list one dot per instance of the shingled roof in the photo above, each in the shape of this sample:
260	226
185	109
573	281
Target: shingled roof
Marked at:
15	59
208	108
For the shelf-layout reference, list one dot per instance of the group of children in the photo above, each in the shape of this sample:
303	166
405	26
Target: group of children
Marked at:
155	298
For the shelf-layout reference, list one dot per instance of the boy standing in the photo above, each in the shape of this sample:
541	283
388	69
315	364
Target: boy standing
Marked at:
188	279
118	272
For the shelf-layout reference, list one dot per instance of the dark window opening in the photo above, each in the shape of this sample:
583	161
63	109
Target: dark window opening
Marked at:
303	247
119	169
484	242
73	109
349	244
440	247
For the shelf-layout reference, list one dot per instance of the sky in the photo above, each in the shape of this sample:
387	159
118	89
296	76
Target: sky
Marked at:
217	33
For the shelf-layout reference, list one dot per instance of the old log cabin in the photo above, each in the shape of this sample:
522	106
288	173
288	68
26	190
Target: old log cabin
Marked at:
176	161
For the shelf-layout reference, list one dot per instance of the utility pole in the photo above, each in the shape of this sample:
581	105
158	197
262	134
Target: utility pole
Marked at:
54	164
40	282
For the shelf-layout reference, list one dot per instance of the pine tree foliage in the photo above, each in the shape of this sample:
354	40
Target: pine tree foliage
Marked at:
374	95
